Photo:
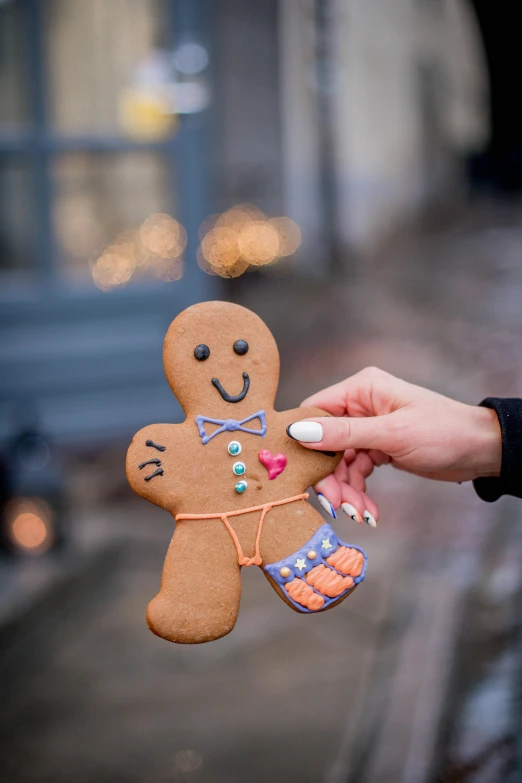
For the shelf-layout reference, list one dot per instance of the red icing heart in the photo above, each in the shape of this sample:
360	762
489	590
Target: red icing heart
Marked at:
274	464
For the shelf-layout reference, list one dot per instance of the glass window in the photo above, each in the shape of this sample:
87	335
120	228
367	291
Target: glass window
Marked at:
101	54
13	62
17	220
99	197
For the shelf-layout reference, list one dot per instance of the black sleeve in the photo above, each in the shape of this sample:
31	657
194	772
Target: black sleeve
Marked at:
509	412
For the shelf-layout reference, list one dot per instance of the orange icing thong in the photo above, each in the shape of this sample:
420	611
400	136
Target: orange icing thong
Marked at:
264	508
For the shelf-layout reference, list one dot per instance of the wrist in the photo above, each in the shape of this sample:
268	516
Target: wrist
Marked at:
487	445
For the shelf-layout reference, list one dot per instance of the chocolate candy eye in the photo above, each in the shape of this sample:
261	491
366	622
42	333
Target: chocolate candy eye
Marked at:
241	347
201	352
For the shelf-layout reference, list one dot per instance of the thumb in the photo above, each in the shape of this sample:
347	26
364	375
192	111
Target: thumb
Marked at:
338	434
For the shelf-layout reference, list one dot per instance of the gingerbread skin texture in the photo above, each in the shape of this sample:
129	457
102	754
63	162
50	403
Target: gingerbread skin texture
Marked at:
201	585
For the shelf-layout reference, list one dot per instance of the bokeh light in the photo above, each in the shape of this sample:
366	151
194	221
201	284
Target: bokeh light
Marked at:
188	760
203	264
258	242
236	270
243	238
239	216
220	247
153	251
289	235
29	525
164	236
113	268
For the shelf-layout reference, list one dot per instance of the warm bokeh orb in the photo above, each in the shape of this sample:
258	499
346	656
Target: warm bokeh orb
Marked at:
236	270
238	217
289	235
29	525
203	263
242	238
164	236
220	247
113	268
258	243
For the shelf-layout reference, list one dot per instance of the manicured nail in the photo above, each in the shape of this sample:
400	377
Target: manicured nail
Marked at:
305	431
351	512
368	518
325	503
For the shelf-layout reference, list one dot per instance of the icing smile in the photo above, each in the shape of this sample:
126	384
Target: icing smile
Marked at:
228	397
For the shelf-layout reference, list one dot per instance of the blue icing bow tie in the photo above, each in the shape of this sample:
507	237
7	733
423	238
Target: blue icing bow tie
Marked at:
230	425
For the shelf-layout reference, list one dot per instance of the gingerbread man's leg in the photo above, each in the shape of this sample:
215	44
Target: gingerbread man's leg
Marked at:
200	585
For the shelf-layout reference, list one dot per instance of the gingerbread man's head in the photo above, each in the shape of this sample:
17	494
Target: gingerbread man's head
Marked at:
221	360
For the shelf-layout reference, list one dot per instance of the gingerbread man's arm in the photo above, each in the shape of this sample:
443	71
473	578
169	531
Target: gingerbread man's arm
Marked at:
313	465
151	466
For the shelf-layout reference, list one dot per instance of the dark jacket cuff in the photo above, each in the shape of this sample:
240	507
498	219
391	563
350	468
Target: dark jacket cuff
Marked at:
509	412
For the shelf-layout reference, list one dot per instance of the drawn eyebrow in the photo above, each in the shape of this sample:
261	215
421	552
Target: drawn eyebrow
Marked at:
154	461
158	472
155	445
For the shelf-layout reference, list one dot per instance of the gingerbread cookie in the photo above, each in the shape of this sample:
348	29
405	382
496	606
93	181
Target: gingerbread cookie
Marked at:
234	481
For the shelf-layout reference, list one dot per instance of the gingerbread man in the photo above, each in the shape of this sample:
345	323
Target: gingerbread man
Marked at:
234	481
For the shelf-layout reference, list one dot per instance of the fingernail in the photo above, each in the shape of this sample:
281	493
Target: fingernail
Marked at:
325	503
368	518
305	431
351	512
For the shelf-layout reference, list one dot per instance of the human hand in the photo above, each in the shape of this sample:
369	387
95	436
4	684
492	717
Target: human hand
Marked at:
377	419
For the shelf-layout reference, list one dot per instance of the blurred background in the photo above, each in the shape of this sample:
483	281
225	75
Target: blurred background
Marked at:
351	170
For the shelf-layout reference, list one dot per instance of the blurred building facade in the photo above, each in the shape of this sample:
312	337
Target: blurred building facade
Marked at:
90	149
349	116
407	90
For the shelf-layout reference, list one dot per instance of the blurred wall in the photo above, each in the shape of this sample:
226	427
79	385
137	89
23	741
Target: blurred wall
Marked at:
96	170
408	97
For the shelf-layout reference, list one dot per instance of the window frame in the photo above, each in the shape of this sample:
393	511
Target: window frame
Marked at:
38	145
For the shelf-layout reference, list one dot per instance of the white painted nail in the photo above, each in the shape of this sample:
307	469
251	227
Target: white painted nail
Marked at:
325	503
306	431
351	512
368	518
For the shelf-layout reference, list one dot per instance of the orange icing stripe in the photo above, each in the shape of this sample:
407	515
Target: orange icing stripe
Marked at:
328	582
349	561
264	508
302	594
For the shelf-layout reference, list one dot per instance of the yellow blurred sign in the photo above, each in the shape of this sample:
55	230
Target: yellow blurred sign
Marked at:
147	115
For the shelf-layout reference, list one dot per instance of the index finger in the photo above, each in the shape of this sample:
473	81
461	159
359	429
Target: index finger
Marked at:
332	399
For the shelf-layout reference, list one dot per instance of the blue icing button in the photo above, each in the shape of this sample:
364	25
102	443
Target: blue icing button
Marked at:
241	486
234	448
239	468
